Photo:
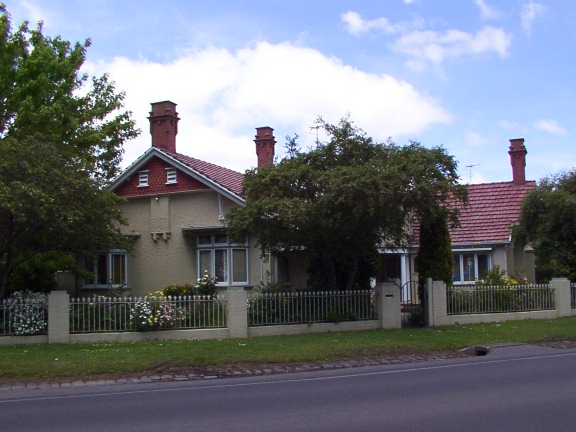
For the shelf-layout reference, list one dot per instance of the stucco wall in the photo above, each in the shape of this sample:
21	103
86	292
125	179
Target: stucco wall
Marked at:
163	253
516	260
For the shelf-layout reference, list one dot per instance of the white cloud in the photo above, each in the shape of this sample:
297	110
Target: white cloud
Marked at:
430	47
507	124
475	139
357	25
487	11
33	12
472	175
515	127
550	126
222	96
530	11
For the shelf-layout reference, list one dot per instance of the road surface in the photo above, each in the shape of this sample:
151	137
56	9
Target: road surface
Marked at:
513	388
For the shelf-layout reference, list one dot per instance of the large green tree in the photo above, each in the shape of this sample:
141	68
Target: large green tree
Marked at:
338	202
61	136
548	223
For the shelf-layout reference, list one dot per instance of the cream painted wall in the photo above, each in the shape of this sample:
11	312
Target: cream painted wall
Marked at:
162	253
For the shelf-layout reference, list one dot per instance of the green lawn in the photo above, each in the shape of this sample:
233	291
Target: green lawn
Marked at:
52	361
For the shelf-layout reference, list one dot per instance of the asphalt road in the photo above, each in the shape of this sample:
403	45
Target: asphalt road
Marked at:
513	388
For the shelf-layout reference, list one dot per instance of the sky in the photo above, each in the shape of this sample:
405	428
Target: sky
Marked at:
468	75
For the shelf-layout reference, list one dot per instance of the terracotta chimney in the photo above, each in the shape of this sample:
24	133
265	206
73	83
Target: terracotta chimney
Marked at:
518	154
164	125
265	142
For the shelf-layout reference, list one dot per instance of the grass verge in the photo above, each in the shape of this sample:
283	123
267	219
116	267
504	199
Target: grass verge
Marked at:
109	359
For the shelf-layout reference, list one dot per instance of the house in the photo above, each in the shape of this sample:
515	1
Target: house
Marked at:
483	239
175	208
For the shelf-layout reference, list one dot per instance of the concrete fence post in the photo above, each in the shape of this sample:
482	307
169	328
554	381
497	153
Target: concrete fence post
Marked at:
437	309
388	305
237	312
562	298
58	317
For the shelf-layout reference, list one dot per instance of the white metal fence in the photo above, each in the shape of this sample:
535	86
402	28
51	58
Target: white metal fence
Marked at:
310	307
109	314
474	299
238	313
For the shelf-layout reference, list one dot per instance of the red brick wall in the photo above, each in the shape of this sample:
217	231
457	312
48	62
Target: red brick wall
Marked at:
265	146
517	154
164	125
157	181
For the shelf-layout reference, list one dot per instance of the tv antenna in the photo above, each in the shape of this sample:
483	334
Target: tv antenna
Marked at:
470	168
317	127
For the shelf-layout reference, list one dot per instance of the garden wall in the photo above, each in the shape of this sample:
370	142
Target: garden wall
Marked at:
438	315
386	302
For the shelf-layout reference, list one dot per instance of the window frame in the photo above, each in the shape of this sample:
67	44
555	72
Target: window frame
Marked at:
109	260
143	179
464	276
211	246
171	176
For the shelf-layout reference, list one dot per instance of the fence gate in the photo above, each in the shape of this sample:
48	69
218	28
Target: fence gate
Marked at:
411	306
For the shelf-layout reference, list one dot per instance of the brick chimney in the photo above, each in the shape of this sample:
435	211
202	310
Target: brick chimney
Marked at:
265	142
518	154
164	125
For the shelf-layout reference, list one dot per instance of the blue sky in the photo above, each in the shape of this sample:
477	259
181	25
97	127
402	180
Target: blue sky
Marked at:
465	74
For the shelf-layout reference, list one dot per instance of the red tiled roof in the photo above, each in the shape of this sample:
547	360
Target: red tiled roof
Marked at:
492	208
225	177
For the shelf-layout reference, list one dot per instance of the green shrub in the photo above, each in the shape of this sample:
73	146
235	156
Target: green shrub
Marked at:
497	277
179	290
206	285
268	286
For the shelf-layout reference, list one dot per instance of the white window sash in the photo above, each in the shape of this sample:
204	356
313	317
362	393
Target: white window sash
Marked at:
221	260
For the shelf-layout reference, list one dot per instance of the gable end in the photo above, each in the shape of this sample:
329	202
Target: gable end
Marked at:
160	180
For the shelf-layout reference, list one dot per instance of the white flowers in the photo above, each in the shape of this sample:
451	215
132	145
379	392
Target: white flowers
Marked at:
25	313
154	313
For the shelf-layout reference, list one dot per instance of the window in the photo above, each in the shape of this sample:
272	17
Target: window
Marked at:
282	269
470	266
143	179
107	271
171	176
226	262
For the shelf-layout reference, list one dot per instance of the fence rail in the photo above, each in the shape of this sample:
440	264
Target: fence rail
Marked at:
22	317
310	307
473	299
109	314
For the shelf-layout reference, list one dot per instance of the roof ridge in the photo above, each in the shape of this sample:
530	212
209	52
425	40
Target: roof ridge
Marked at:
227	178
511	183
176	154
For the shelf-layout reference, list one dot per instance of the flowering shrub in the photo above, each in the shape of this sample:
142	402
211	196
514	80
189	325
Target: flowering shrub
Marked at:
155	312
179	290
206	285
497	277
26	313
